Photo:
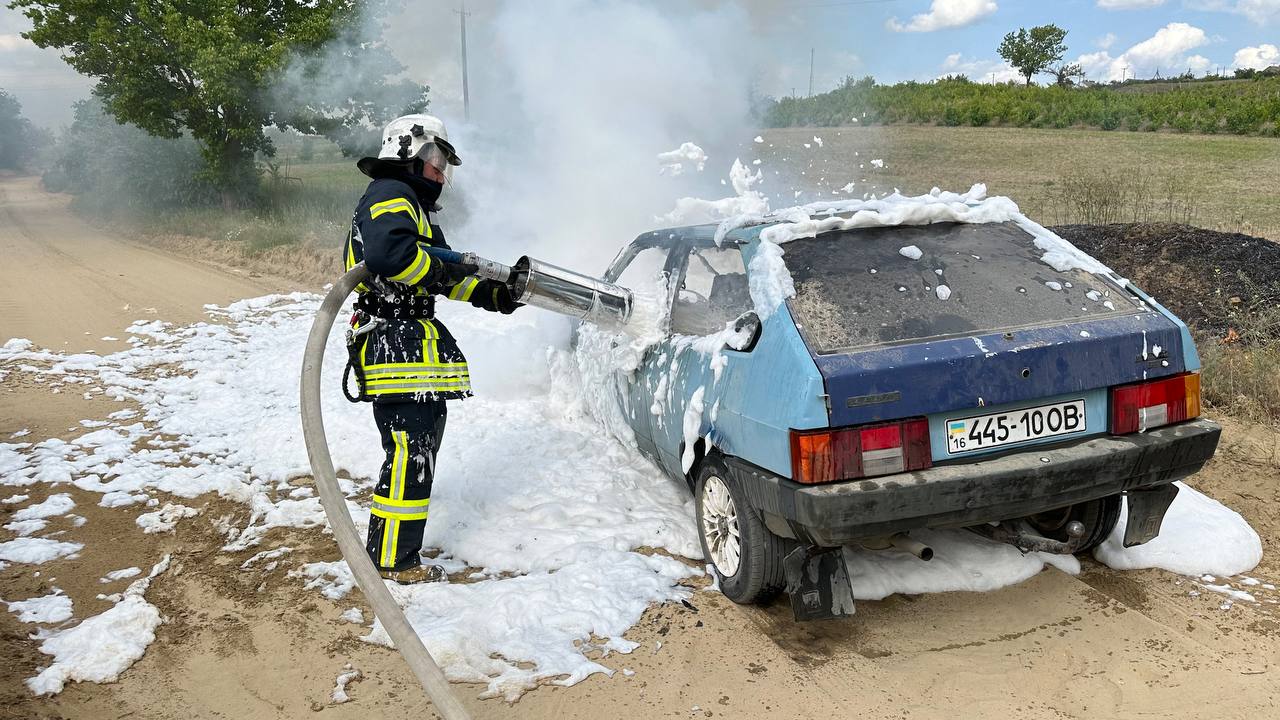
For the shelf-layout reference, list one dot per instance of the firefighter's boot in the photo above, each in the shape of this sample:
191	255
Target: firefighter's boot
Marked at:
414	575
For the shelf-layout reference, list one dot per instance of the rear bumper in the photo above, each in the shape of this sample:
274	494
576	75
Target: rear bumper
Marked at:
1001	488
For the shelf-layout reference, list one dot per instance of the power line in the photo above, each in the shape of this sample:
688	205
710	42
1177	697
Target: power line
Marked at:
466	92
810	72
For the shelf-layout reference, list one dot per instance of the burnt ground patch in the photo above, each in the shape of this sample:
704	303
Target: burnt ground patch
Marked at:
1221	284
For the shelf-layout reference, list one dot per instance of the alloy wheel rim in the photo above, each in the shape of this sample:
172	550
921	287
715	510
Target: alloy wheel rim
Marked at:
720	529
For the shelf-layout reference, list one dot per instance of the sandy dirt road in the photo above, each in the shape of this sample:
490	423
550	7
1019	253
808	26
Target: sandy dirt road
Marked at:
250	645
73	288
70	284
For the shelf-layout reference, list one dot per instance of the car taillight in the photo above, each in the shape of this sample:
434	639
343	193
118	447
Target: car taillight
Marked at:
819	456
1147	405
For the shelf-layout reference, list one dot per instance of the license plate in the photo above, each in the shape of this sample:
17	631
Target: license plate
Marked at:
1014	426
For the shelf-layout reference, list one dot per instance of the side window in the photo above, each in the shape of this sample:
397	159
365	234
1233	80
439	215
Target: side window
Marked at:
714	291
641	273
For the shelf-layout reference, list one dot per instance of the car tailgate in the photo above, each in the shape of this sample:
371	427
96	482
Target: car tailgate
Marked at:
992	370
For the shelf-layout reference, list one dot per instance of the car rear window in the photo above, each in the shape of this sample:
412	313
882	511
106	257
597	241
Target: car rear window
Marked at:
874	286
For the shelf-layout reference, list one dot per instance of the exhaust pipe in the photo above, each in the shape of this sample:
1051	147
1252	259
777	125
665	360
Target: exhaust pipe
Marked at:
904	542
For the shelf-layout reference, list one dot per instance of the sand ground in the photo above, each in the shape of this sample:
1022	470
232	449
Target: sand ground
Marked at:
248	645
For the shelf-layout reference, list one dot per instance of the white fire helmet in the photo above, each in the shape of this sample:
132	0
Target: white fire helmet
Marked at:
419	136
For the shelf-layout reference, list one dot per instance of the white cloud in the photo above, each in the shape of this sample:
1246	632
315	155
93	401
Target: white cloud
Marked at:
9	43
1165	52
1198	64
1128	4
1261	12
945	14
1106	41
983	71
1258	58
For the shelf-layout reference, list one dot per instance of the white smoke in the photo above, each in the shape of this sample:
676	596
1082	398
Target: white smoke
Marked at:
571	102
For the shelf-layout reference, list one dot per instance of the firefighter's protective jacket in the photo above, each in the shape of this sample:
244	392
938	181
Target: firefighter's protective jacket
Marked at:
410	355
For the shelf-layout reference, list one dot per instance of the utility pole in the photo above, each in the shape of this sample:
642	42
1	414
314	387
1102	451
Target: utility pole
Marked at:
466	93
810	72
1123	70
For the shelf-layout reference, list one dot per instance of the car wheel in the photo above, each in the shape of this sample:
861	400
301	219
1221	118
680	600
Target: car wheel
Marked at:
1099	518
746	556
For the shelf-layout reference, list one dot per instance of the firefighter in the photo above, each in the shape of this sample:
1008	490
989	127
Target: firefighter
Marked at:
404	360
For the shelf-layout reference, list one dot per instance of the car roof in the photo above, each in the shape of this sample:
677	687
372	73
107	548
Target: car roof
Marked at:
703	235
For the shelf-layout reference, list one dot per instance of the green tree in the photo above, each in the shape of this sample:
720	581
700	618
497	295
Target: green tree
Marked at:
1032	52
1067	75
223	70
15	133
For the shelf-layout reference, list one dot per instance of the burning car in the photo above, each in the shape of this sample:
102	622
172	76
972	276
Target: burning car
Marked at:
850	373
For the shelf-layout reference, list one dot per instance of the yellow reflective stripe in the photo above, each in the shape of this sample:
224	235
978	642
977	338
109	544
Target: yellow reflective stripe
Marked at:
397	517
440	380
462	291
397	503
408	388
385	378
414	368
386	546
395	205
391	527
399	464
414	271
430	353
400	509
395	536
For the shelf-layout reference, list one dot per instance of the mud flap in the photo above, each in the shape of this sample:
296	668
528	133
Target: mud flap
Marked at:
818	583
1146	511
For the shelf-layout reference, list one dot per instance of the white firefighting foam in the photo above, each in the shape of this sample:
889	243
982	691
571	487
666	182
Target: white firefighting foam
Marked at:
531	499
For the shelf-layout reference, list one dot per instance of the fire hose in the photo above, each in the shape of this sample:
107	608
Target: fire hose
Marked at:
531	282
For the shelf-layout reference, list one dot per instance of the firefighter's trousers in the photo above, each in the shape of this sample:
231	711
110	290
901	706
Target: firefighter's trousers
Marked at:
411	434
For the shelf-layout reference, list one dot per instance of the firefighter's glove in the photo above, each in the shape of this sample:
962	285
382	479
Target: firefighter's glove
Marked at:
443	275
454	273
503	301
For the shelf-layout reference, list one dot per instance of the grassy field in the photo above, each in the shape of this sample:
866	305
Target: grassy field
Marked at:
297	231
1220	182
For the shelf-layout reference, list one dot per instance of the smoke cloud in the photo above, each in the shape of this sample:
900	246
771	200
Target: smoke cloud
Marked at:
572	101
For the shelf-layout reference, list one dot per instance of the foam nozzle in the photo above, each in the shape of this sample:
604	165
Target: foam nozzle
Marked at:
553	288
488	269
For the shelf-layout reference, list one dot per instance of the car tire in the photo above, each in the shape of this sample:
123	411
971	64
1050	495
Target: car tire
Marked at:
722	508
1109	515
1098	516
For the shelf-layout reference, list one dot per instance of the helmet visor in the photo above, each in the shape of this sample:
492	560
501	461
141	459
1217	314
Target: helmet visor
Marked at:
435	156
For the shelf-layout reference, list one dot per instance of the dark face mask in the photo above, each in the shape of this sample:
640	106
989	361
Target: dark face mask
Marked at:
428	191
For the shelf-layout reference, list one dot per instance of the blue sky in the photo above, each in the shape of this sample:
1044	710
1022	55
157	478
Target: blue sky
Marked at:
893	40
880	38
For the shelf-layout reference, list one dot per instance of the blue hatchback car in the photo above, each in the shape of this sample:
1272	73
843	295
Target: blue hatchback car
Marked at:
930	376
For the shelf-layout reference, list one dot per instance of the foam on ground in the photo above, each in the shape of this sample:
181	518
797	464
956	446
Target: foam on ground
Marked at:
1199	536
